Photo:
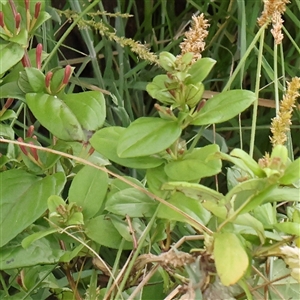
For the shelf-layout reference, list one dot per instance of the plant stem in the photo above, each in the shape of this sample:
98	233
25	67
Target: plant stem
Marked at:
67	32
257	84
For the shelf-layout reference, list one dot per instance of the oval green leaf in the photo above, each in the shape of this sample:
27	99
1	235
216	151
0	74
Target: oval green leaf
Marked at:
88	190
224	106
147	136
230	257
105	141
195	165
200	69
56	116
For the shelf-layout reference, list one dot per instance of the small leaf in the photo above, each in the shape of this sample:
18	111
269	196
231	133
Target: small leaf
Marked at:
11	54
224	106
36	79
147	136
102	231
194	190
288	228
56	116
105	141
131	202
230	257
167	61
8	114
291	173
88	190
188	205
21	206
194	165
199	70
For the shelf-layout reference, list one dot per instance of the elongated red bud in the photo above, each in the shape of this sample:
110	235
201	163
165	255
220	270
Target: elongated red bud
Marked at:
22	147
18	21
26	4
37	10
25	60
13	7
38	55
201	104
91	151
34	152
8	103
2	24
67	75
48	79
30	131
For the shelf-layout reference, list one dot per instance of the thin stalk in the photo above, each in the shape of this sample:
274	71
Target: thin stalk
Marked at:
257	84
243	59
67	32
275	69
137	252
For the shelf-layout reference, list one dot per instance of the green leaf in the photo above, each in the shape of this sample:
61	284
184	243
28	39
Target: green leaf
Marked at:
224	106
21	206
291	173
288	228
195	165
102	231
199	70
88	107
6	131
56	116
188	205
194	190
36	79
131	202
167	61
43	17
158	90
10	55
105	141
230	257
147	136
41	251
156	177
11	90
37	236
88	190
8	114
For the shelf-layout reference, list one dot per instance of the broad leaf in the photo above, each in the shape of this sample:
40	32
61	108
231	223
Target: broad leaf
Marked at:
21	206
230	257
42	251
102	231
147	136
131	202
11	54
56	116
88	107
195	165
105	141
88	190
200	69
194	190
224	106
188	205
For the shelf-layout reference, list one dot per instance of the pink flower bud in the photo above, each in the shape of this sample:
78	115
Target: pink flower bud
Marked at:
8	103
25	60
2	24
37	10
67	75
30	131
34	152
18	20
48	79
26	4
201	104
22	147
38	55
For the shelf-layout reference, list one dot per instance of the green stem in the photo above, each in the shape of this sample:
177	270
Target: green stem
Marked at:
137	252
243	59
257	84
67	32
